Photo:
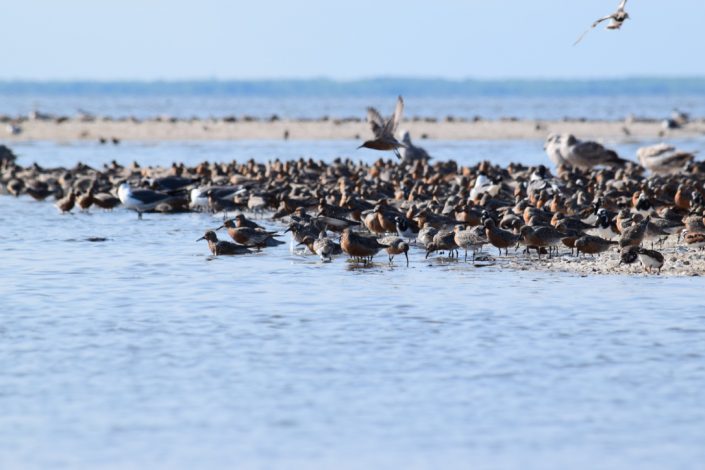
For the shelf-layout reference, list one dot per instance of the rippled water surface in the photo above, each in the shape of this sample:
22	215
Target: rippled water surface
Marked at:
144	352
612	106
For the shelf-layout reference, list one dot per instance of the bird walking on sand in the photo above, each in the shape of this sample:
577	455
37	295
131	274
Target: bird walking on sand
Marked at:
616	20
384	130
541	237
499	238
592	245
634	234
693	239
650	259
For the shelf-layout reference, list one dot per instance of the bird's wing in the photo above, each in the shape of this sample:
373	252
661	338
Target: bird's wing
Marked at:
393	122
376	121
622	5
608	17
604	18
654	151
589	150
147	196
581	37
677	158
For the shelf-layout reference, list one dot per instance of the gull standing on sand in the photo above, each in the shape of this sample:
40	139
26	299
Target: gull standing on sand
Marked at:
664	158
587	154
552	147
384	130
410	152
617	18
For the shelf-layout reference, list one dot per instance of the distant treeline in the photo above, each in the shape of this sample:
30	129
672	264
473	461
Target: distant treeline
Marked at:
371	87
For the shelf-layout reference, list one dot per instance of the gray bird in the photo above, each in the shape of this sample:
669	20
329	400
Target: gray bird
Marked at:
552	147
588	154
616	20
410	152
664	158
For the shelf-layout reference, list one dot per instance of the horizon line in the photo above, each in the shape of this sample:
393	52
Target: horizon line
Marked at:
353	80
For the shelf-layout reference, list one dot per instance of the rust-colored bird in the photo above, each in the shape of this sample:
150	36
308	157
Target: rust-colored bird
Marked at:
66	204
358	246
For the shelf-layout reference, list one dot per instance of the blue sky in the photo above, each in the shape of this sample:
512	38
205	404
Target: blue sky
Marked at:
192	39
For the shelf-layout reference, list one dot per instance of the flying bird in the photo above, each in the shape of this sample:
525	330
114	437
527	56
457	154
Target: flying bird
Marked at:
384	130
617	18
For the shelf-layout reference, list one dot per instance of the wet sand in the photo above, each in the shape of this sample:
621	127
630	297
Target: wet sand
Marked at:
73	129
679	261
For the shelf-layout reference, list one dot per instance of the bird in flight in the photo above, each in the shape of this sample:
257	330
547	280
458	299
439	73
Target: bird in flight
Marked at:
617	18
384	130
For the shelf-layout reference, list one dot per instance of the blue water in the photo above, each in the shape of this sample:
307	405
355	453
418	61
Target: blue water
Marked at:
145	352
528	152
606	99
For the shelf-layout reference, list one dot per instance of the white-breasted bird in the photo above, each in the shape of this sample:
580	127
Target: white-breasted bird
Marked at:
616	20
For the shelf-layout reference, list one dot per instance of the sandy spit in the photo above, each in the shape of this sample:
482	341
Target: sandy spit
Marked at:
160	130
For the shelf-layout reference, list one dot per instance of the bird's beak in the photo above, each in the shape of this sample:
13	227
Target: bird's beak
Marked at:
427	253
220	227
407	258
202	238
287	230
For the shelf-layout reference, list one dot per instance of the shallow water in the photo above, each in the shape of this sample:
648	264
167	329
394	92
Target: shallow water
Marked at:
469	152
143	351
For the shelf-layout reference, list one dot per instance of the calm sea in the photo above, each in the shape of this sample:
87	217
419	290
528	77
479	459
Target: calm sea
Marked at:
606	99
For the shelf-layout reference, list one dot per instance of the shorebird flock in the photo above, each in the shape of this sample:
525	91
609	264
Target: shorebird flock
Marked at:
593	201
